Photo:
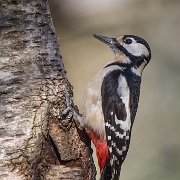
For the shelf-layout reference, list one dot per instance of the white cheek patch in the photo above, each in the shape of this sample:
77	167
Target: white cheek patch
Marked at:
136	49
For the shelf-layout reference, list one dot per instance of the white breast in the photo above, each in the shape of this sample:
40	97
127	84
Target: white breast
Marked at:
92	104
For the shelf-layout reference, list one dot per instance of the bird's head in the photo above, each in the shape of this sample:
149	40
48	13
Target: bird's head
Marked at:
136	49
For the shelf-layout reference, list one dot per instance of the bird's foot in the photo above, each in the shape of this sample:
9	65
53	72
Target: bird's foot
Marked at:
70	112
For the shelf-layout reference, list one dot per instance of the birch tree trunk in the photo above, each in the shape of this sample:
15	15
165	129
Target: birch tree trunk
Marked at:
34	143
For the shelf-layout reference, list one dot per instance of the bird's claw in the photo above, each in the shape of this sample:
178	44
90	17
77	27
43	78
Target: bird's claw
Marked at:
69	112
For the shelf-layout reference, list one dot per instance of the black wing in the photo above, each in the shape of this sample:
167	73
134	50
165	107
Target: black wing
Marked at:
114	109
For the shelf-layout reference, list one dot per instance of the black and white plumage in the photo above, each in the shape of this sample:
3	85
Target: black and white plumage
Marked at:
120	97
111	102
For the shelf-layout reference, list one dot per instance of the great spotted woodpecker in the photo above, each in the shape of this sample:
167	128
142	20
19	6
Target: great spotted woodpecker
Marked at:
111	101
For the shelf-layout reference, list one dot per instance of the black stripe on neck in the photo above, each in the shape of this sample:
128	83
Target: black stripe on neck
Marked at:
118	64
136	60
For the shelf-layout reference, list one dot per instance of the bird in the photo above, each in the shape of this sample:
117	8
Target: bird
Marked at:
111	101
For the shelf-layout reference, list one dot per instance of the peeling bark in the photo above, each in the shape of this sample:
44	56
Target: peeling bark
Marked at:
34	143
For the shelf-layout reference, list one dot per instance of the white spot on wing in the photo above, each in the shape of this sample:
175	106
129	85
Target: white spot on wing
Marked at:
118	151
112	128
111	162
125	125
124	148
109	126
114	157
119	135
110	149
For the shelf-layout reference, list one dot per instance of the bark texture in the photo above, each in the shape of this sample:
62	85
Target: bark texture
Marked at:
34	143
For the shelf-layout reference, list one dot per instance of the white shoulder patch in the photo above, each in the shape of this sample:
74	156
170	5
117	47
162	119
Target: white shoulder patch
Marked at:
124	93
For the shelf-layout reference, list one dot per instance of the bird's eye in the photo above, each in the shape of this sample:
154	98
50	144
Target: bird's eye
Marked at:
128	41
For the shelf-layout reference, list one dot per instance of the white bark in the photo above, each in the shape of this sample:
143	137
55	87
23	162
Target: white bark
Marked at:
32	78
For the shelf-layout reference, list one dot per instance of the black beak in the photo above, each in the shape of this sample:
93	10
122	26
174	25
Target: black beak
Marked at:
107	40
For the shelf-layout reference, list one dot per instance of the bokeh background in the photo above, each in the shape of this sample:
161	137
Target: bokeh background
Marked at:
154	152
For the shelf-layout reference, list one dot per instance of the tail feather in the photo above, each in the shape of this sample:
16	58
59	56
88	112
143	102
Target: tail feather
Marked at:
107	174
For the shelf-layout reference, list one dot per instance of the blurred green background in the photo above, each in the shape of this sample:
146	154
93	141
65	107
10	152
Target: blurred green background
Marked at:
154	152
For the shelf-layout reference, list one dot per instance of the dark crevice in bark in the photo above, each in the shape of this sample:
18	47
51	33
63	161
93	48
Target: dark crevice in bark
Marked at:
55	149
